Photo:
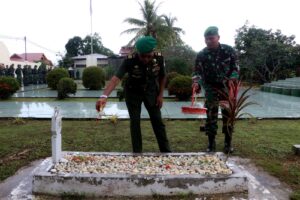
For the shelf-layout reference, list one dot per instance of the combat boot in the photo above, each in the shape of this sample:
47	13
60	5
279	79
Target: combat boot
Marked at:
211	143
227	140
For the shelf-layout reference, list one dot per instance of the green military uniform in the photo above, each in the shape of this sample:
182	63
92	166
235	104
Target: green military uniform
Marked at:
213	68
142	86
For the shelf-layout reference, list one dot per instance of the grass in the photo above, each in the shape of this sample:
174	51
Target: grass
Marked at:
267	142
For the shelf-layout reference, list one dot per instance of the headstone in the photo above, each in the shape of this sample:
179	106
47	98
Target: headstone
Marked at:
296	149
56	135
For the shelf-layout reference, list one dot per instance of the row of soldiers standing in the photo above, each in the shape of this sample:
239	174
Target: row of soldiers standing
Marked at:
26	75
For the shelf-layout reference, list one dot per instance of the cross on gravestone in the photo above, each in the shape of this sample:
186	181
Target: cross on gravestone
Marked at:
296	149
56	135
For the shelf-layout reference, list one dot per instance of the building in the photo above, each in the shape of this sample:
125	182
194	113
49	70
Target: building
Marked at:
83	61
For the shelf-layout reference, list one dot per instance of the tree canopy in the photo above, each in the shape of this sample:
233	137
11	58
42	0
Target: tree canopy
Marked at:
265	55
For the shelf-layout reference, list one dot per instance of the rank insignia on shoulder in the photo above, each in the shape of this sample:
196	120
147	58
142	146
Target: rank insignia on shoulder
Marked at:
158	54
130	56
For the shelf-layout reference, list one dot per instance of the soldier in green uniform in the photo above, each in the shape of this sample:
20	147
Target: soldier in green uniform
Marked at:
145	84
216	65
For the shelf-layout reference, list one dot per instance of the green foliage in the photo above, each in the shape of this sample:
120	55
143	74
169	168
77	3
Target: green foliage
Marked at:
170	77
97	46
178	65
159	26
66	86
93	78
66	62
77	46
295	195
175	55
55	75
181	87
8	86
264	54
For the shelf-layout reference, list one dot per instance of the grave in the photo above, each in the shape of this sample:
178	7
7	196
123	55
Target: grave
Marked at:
99	174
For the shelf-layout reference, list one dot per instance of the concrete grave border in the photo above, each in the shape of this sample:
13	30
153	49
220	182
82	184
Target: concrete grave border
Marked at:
100	185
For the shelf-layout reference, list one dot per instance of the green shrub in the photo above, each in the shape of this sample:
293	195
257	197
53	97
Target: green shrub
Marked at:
181	87
170	77
178	65
66	86
109	72
93	78
8	86
55	75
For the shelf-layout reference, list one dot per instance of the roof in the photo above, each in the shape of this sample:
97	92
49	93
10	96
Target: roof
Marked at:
31	57
126	50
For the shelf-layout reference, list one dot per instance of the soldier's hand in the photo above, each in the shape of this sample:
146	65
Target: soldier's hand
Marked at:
159	101
196	87
100	104
232	82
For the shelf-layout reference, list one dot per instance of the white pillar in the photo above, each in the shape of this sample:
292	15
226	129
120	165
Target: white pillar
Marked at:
56	135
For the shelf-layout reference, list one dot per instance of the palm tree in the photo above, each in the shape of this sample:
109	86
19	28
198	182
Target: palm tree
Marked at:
172	31
159	26
149	25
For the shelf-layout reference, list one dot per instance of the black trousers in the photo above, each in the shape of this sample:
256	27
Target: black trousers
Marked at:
134	102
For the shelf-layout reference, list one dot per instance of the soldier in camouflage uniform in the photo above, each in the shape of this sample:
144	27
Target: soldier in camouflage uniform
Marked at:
145	84
215	66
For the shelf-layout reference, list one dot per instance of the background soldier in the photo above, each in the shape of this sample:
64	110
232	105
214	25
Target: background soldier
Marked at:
35	75
19	74
145	83
25	76
11	71
215	66
2	70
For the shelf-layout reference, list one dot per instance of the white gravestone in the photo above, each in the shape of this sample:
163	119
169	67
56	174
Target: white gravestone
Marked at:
56	135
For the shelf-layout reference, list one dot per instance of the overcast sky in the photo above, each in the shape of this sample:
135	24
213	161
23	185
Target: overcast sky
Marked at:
50	23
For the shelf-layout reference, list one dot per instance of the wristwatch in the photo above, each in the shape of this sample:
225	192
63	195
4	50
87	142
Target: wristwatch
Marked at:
103	96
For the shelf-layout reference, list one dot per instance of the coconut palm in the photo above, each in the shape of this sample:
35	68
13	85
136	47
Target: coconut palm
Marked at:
150	23
172	31
160	27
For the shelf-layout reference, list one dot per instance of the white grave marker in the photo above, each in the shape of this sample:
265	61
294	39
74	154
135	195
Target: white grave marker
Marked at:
56	135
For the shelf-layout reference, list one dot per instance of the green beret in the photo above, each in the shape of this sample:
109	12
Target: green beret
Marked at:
145	44
210	31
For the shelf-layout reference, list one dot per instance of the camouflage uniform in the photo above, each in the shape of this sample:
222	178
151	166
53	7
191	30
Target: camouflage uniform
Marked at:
142	85
213	68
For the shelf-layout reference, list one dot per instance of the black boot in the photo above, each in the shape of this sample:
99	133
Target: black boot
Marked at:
211	143
227	143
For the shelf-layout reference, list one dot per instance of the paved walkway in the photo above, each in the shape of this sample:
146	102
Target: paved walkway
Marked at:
270	106
45	92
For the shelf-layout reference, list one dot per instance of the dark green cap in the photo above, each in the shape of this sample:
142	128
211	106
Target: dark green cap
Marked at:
145	44
210	31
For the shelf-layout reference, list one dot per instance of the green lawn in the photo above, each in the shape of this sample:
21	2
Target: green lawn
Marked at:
267	142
